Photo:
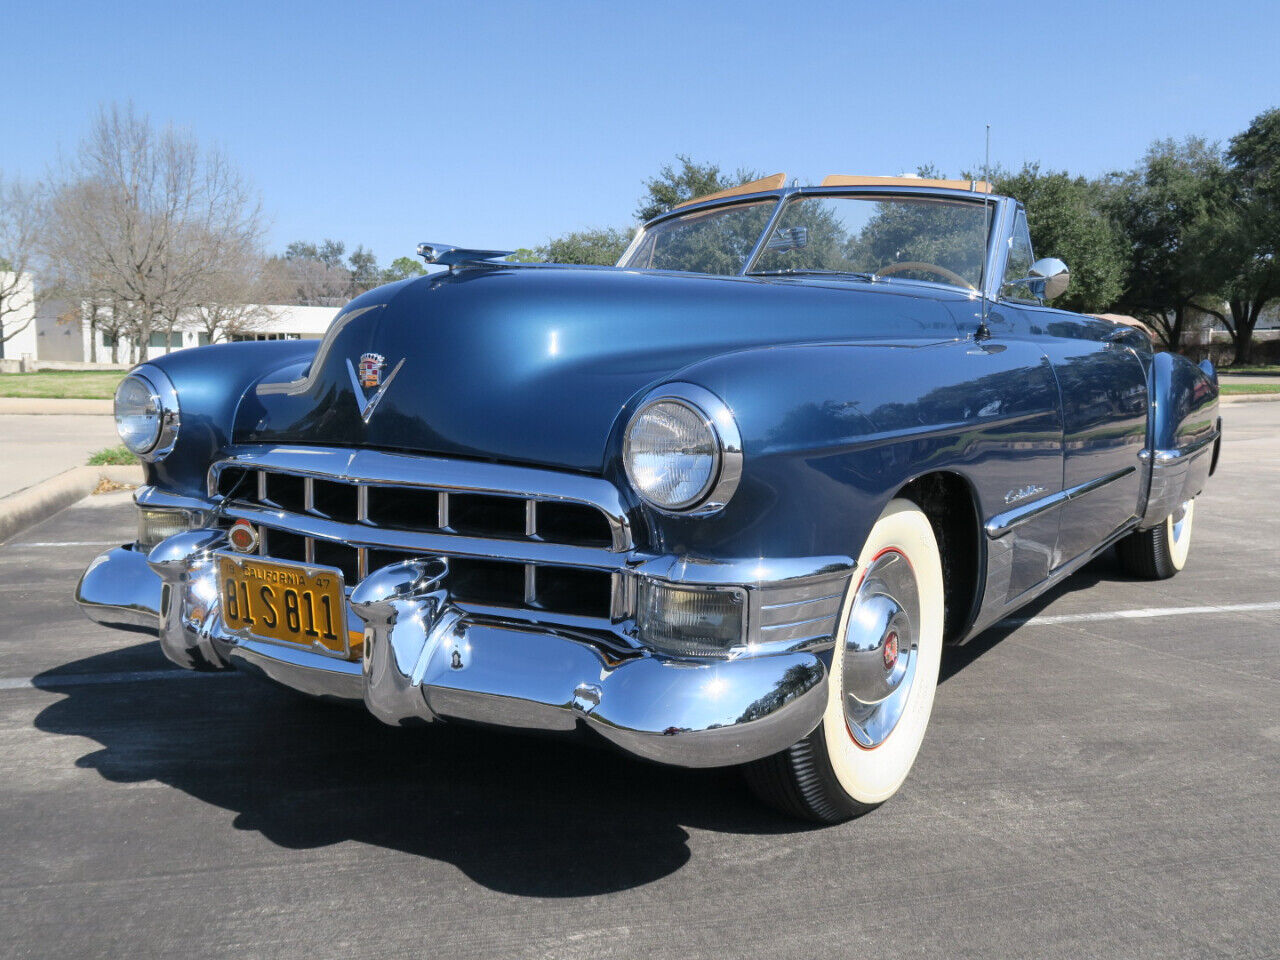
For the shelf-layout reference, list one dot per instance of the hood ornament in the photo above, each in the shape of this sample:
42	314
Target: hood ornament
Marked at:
450	256
369	377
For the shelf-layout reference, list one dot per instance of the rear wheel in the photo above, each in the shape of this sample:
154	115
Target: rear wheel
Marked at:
884	672
1159	553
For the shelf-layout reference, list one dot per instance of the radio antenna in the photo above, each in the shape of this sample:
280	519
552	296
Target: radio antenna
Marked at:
982	332
986	161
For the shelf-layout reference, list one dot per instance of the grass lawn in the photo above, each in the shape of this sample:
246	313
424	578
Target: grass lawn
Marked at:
1229	389
1268	369
112	456
78	384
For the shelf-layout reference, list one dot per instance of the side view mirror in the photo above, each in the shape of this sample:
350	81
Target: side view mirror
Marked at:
1052	276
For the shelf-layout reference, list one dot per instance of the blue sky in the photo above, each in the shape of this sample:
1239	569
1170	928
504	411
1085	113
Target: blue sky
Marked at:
500	124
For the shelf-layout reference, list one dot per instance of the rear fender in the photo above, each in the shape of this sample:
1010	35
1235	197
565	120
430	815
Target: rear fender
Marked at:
1185	433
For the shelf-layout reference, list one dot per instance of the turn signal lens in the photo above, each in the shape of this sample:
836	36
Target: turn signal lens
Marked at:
688	621
156	525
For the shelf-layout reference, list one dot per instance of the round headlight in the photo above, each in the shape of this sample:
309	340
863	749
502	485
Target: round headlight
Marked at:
682	452
146	409
138	414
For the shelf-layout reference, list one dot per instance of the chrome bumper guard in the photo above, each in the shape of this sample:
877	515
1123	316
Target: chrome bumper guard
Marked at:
426	660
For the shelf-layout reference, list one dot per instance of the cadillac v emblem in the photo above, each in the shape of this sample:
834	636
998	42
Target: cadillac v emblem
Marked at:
368	377
370	367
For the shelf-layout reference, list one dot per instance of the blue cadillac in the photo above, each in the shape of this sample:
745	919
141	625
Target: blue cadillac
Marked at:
721	504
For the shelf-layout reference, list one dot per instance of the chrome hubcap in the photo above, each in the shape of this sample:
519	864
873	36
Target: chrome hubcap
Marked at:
880	649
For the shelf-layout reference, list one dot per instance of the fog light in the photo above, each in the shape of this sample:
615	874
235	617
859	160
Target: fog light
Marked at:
688	621
156	525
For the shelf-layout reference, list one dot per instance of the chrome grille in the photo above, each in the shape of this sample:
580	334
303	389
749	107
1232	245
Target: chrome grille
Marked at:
515	543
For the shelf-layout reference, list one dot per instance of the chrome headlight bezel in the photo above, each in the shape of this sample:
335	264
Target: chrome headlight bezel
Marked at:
717	419
165	397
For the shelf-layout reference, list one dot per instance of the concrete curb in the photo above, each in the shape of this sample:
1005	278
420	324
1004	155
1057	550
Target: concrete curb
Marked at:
28	507
42	405
1249	398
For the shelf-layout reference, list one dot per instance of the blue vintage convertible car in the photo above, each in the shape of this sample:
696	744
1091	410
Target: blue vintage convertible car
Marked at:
720	504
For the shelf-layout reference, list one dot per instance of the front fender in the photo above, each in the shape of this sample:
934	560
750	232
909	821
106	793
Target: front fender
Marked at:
210	383
832	431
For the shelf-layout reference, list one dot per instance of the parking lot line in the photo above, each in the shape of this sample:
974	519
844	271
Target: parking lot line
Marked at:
1140	614
134	676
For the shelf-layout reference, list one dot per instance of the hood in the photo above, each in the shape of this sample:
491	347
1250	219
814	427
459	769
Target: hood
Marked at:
534	364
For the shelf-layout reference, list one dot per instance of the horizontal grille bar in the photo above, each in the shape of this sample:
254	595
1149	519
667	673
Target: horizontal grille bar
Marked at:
488	583
409	541
538	552
429	494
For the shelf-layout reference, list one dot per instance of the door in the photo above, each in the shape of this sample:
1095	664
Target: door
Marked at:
1104	421
1103	389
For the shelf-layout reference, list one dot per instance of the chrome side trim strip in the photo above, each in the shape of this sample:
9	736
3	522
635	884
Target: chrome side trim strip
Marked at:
1002	523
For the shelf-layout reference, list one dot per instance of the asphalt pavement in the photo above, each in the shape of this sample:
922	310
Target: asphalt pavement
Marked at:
1101	779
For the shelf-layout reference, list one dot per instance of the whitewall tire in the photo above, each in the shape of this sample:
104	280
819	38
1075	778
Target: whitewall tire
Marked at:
884	673
1161	552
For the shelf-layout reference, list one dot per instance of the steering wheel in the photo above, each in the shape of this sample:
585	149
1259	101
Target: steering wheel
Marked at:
927	268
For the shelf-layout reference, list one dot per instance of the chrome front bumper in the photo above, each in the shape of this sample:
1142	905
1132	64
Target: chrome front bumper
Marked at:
426	660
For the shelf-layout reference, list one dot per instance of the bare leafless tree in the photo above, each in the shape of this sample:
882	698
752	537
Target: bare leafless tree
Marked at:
141	216
234	297
22	211
308	281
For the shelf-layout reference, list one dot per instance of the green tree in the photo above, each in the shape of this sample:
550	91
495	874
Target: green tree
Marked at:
1175	213
328	252
674	184
1254	229
402	268
365	274
685	180
603	245
1067	217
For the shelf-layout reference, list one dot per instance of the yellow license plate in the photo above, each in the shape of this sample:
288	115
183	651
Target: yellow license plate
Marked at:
284	602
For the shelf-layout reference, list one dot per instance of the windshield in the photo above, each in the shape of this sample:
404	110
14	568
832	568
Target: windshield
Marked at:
933	239
718	240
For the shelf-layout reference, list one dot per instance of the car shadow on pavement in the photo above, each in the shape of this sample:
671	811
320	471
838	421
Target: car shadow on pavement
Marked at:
519	814
1105	566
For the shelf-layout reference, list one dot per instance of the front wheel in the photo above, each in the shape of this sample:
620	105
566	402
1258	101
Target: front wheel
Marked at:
884	672
1159	553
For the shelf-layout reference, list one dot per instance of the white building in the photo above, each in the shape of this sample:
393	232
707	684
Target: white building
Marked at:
19	310
63	333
